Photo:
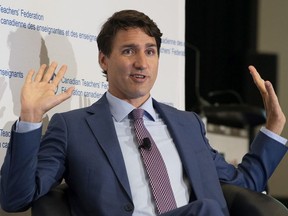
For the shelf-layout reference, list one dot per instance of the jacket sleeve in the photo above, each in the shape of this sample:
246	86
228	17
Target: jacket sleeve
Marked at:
30	168
256	166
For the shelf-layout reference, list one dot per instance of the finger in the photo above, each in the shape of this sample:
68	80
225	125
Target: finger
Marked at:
60	75
50	71
29	76
63	96
69	91
260	83
271	92
40	73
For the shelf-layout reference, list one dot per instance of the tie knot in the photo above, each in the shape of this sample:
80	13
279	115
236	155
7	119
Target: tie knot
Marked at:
138	113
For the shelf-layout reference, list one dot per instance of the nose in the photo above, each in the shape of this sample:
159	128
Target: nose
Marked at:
140	61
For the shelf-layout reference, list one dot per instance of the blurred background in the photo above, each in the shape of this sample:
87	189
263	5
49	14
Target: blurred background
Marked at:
224	37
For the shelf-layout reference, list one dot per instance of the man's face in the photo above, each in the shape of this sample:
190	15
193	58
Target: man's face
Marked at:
132	66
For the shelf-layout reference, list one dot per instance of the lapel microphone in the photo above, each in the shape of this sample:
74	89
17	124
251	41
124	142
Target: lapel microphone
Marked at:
146	144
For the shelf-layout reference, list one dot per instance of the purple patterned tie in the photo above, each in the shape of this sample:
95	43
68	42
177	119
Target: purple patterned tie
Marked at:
155	166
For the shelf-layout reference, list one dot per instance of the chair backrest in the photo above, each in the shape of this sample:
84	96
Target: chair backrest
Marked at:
55	203
241	201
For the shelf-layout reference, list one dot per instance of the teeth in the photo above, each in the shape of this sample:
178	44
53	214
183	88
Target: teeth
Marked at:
139	76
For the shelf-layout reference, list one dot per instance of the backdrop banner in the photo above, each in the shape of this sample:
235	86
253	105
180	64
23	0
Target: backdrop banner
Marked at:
33	33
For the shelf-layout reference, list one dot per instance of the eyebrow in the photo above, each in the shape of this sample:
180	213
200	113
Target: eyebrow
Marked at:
148	45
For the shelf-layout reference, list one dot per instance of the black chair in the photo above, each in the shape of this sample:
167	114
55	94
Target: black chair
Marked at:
236	116
240	201
227	108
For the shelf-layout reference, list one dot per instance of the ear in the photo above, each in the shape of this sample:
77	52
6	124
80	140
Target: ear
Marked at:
102	61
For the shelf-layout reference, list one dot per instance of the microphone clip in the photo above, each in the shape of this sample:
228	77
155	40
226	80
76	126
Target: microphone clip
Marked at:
146	144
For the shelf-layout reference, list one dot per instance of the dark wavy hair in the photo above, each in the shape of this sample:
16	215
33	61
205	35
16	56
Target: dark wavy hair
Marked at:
123	20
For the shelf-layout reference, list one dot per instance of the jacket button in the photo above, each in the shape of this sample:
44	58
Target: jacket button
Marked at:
129	207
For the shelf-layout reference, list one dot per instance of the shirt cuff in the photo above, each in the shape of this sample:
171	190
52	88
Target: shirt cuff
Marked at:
23	127
273	135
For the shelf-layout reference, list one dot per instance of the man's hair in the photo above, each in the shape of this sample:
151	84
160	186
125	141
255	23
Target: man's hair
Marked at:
123	20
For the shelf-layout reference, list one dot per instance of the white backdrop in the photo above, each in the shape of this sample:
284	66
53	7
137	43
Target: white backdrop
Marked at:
34	32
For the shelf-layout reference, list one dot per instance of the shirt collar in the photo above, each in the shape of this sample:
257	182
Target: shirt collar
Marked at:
120	108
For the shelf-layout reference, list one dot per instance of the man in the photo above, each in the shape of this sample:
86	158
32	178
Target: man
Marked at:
95	149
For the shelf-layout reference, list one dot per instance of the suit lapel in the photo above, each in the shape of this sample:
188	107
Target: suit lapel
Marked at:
179	127
102	126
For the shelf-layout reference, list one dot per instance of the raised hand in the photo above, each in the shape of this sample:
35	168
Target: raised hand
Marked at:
275	117
38	93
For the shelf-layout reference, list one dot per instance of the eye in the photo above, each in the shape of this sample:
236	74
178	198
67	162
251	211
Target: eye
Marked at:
151	51
128	51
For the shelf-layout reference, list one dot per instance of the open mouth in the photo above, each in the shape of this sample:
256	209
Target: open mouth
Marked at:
137	76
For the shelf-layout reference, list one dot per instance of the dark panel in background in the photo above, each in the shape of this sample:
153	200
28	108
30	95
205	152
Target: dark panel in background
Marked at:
223	33
266	64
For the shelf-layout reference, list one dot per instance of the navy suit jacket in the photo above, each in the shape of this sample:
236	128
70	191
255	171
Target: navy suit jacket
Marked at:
82	147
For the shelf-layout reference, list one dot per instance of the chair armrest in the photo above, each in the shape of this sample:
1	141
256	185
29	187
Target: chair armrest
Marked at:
241	201
54	203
